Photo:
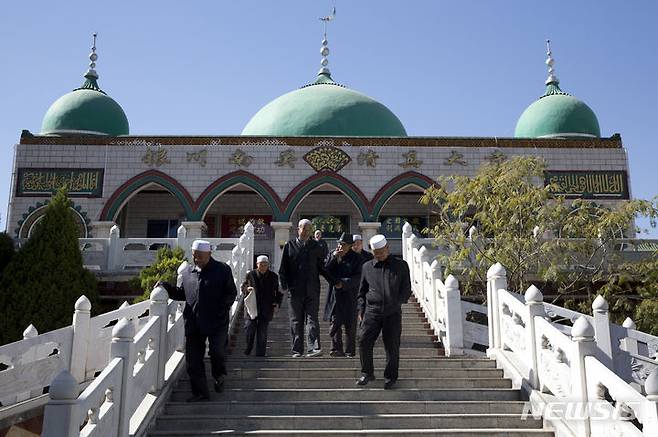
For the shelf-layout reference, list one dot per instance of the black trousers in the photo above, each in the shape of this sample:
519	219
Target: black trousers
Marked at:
256	329
304	309
391	328
195	352
336	333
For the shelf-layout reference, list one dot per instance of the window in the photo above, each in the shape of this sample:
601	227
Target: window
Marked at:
161	228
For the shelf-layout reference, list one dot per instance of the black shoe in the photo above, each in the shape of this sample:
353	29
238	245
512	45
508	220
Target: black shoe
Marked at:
365	379
219	385
198	398
336	354
389	384
349	355
247	351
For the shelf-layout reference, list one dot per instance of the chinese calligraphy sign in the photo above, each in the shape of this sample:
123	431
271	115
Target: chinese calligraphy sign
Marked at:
286	158
240	158
455	158
155	157
410	160
200	157
368	158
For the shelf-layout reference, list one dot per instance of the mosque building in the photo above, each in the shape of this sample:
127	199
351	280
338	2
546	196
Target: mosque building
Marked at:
323	151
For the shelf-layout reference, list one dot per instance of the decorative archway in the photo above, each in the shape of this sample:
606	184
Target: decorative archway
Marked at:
35	213
133	185
227	181
386	192
308	185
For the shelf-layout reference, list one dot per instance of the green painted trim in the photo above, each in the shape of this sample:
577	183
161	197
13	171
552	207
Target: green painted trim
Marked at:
310	186
134	187
210	197
390	192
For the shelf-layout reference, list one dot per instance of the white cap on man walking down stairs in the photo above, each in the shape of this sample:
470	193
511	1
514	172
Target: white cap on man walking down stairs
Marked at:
356	237
262	259
377	242
201	245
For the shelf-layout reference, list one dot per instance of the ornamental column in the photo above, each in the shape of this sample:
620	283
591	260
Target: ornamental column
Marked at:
281	236
368	230
194	229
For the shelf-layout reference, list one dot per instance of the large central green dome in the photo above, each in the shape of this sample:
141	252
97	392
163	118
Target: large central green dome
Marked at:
325	108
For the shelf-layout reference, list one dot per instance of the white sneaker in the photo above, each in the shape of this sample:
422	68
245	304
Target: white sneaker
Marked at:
297	355
314	353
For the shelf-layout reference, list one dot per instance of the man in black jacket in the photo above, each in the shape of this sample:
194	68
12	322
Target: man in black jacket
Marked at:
208	290
265	283
301	265
385	286
344	265
358	248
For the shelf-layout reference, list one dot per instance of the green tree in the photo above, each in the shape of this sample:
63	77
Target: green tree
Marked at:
164	268
7	250
45	278
505	214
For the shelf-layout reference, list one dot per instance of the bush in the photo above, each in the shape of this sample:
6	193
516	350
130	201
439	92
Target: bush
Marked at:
44	279
164	268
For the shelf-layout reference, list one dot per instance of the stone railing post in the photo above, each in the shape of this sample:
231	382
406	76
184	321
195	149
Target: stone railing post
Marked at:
407	231
158	308
602	331
582	333
424	257
281	237
496	279
534	301
122	347
81	334
30	332
453	318
412	243
182	242
437	275
627	343
61	412
115	250
650	423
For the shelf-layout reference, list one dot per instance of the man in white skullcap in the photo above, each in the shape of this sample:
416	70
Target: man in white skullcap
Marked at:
265	284
385	286
208	290
301	264
358	248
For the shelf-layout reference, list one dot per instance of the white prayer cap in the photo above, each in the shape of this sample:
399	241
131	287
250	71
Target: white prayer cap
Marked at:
201	245
356	237
377	242
263	259
303	222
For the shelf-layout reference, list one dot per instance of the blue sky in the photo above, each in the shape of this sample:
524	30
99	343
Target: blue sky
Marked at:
460	68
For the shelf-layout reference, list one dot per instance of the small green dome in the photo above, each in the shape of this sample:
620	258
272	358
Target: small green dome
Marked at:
86	110
325	108
557	114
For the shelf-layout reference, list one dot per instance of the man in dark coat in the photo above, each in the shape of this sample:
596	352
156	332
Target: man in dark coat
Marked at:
323	243
358	248
344	265
265	283
208	289
385	286
301	265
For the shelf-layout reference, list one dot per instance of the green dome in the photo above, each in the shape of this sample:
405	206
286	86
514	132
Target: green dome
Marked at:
325	108
86	110
557	114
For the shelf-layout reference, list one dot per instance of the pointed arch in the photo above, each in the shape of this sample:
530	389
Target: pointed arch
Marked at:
214	190
132	186
393	186
309	184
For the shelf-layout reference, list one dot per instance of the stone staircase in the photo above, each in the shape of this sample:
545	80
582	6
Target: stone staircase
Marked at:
279	395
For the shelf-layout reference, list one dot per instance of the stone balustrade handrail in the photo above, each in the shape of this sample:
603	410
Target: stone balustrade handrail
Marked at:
588	379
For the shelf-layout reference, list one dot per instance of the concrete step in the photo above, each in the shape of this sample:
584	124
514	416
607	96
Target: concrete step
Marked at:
428	351
374	391
311	408
501	432
332	382
322	372
247	362
345	422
